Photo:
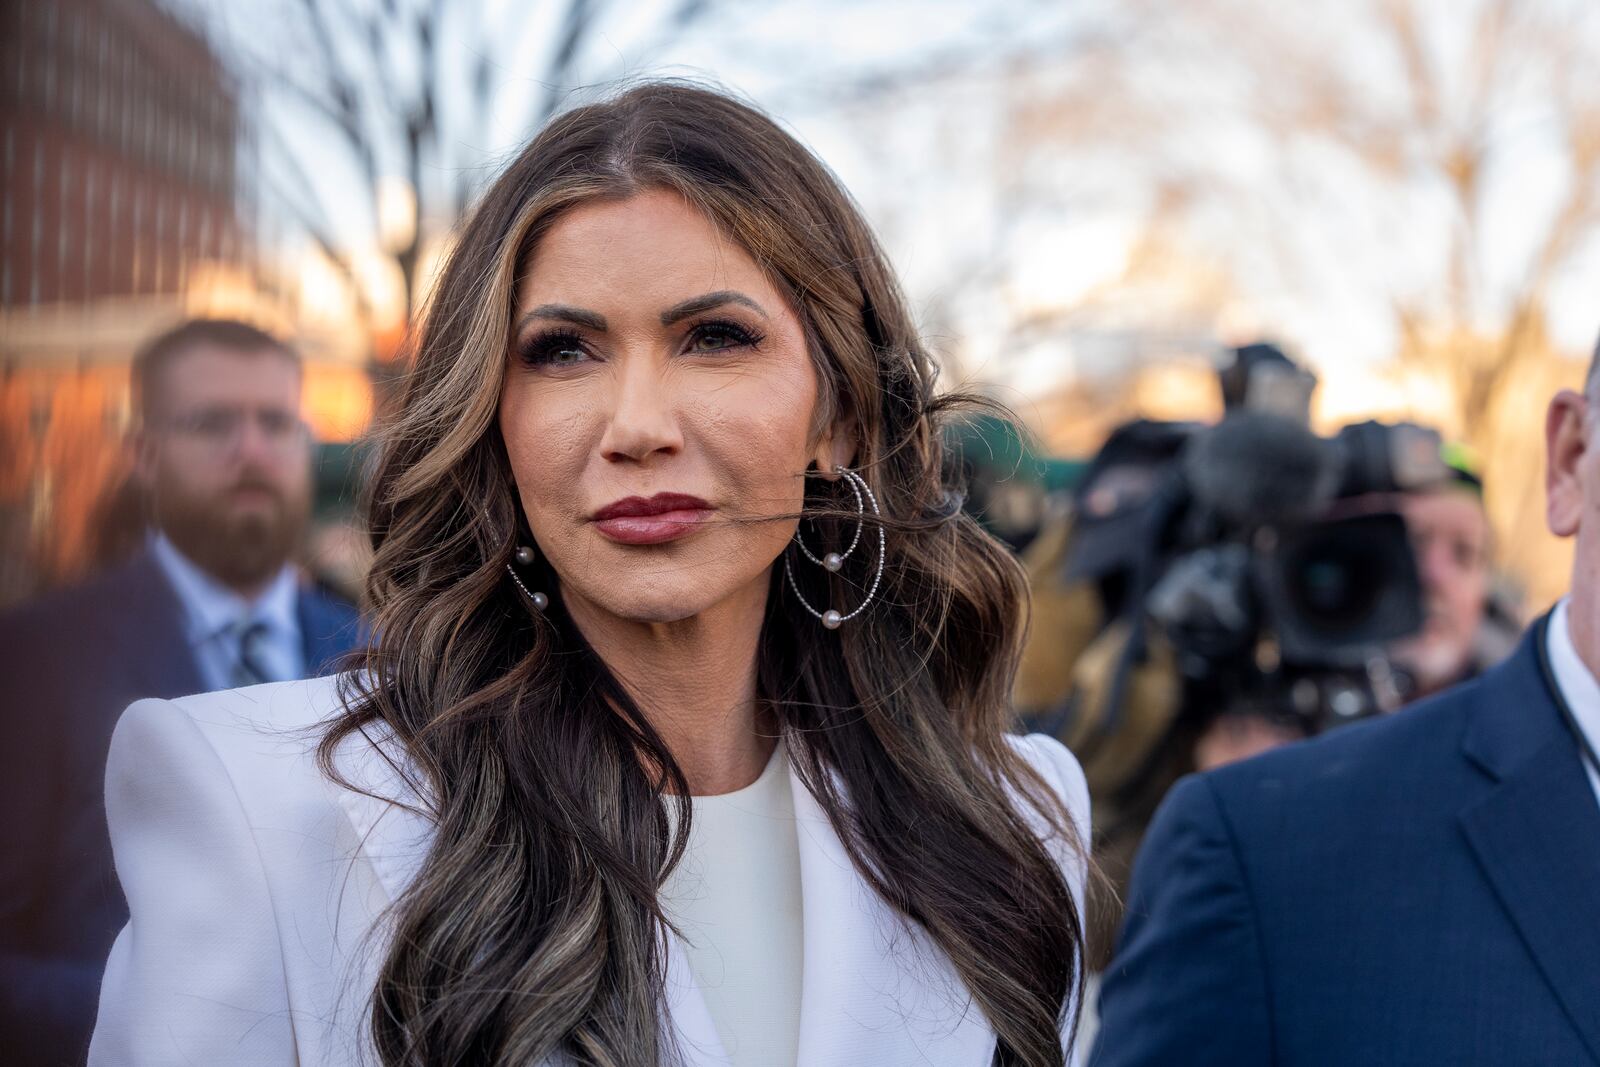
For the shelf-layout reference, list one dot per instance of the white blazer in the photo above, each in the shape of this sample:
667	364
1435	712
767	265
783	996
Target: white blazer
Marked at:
256	888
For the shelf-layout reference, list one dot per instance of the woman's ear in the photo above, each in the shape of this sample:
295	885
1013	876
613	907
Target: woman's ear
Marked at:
836	447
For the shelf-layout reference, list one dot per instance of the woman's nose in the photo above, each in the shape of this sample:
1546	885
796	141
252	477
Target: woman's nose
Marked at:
643	419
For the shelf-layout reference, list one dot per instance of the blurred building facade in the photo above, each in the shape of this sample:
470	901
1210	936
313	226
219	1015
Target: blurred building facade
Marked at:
118	158
123	209
120	145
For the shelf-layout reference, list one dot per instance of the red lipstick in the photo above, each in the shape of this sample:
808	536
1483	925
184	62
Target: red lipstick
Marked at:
638	520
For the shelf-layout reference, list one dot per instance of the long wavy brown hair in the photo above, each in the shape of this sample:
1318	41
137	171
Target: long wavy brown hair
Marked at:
534	927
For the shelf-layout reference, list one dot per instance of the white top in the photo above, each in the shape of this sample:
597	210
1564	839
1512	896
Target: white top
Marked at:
1578	685
216	616
258	893
736	899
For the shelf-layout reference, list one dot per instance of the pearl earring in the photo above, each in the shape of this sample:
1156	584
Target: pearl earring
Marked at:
833	562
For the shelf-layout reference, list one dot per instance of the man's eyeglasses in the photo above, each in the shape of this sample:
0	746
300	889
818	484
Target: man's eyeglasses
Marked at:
223	429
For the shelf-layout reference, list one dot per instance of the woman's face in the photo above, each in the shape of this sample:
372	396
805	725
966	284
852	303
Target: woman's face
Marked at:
657	384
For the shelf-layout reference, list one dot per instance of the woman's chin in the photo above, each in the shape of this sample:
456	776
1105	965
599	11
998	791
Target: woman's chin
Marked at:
670	588
644	606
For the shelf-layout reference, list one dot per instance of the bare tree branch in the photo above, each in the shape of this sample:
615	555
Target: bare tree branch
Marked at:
376	77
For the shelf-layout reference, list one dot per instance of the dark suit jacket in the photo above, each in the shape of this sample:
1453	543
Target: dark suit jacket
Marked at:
1420	890
69	664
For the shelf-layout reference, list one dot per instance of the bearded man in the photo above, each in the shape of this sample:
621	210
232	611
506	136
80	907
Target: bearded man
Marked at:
212	601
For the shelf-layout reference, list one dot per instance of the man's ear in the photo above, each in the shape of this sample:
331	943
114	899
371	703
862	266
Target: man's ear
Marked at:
1565	441
837	446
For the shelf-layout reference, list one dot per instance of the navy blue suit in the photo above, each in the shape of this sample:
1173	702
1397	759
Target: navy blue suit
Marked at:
1419	890
69	664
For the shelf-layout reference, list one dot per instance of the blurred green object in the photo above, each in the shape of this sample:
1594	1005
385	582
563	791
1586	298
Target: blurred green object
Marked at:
992	444
1010	483
336	479
1464	464
1062	475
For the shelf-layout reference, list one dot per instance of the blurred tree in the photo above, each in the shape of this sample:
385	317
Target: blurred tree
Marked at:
383	116
1466	136
1054	255
1424	174
1491	122
1438	158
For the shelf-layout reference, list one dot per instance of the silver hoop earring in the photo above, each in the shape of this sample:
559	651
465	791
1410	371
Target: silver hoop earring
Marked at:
525	557
833	561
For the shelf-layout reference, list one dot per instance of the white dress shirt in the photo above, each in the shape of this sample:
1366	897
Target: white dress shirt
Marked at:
1577	684
736	897
215	616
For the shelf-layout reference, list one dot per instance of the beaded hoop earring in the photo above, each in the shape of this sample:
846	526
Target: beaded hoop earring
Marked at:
524	556
833	561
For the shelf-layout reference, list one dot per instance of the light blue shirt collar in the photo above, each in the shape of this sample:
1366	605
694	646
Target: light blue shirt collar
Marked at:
1577	683
212	610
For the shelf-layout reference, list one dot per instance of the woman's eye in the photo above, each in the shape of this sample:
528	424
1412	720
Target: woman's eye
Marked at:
554	350
720	336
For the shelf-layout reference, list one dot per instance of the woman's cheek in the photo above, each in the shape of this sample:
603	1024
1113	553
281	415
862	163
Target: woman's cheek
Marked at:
777	410
545	441
765	451
549	427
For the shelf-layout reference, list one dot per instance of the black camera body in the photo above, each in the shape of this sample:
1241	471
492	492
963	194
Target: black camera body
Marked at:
1274	564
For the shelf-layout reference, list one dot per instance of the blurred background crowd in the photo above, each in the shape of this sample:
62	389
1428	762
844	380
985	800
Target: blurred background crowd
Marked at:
1278	293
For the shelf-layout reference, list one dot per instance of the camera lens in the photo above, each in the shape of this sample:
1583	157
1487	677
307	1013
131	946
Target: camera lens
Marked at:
1334	590
1328	589
1337	581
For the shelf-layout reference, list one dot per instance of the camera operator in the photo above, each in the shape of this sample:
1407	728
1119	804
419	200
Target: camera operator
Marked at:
1460	636
1451	541
1222	590
1416	890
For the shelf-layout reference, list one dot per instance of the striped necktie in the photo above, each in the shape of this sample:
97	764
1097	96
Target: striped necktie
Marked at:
247	668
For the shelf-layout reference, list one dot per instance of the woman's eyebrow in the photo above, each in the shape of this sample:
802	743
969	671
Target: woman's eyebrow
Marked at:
695	305
565	313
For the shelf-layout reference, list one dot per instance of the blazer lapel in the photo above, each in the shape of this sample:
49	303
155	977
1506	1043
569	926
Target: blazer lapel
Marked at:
385	807
1537	836
874	989
386	810
688	1022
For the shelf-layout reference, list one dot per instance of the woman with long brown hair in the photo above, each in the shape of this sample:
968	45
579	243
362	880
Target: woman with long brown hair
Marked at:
683	733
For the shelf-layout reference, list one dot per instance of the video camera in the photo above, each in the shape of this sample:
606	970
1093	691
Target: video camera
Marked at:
1270	559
